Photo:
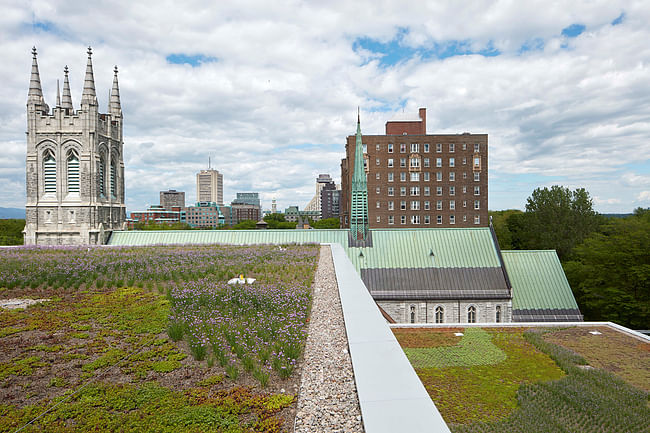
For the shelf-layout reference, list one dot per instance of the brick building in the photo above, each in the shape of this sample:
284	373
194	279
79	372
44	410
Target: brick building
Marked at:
206	214
421	180
157	214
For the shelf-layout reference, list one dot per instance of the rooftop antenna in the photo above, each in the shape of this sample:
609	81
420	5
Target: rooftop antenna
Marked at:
208	163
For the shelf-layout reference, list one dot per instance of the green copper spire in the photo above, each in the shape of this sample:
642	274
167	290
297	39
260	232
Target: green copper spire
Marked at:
359	202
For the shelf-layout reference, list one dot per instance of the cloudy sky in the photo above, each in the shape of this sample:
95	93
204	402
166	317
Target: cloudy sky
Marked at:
268	90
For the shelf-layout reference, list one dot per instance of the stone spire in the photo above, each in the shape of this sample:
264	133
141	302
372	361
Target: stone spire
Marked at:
66	103
89	96
359	196
58	95
35	95
114	105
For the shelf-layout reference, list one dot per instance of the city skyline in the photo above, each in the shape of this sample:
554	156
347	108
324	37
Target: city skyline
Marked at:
560	89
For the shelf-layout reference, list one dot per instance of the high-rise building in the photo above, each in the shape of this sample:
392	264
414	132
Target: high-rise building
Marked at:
315	204
172	198
330	201
75	167
209	186
416	179
252	198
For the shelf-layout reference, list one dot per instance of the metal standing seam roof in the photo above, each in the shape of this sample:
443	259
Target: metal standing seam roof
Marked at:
392	248
538	280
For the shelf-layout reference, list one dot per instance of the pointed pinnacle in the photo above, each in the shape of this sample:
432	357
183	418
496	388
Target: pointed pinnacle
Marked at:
67	97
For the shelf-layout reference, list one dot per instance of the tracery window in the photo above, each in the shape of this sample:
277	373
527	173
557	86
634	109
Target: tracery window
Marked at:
49	172
73	171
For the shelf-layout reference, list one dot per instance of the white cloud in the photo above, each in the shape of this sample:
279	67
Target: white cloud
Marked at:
644	196
275	107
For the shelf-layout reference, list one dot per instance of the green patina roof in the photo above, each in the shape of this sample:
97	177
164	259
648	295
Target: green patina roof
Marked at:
392	248
538	280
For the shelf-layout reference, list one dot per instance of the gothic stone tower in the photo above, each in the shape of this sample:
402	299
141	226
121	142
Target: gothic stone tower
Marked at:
75	167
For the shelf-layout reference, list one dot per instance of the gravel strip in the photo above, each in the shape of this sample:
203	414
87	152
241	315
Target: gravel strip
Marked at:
328	400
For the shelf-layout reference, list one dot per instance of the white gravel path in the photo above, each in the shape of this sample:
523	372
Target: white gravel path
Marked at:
328	399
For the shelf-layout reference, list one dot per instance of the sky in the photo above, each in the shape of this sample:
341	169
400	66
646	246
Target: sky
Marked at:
268	91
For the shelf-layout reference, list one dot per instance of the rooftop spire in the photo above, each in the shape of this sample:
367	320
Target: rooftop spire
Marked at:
67	97
114	104
58	95
89	96
359	202
35	94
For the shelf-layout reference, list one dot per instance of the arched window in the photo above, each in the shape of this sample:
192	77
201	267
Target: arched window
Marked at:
49	171
73	172
102	176
412	314
498	314
440	314
113	179
471	314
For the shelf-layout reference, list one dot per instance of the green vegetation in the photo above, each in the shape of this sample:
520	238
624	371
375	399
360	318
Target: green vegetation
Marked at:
277	221
154	226
245	225
327	223
11	231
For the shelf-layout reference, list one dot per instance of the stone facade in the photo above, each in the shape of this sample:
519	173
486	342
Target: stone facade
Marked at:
74	167
425	311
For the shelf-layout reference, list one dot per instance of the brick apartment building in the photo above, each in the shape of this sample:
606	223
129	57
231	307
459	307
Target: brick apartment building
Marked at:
419	180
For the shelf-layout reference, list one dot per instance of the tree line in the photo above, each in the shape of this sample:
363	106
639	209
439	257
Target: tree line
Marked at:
606	260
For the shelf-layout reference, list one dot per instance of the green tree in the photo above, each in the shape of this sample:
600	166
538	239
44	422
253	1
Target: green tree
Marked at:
327	223
277	221
11	231
610	273
500	222
245	225
556	218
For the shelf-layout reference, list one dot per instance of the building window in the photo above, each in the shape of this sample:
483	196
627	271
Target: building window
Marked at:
464	175
426	176
376	161
415	190
477	204
390	162
464	161
426	162
471	314
378	219
49	171
427	219
439	176
438	162
477	190
391	191
391	219
377	147
415	219
498	314
415	205
402	148
452	219
402	191
427	191
476	147
365	148
452	204
378	190
390	177
439	205
390	147
402	219
412	313
452	190
439	190
415	162
378	204
402	176
477	161
438	147
477	219
440	315
464	218
452	147
73	172
464	203
102	176
452	162
391	205
464	146
426	147
402	162
452	176
377	176
439	219
415	147
427	205
477	176
464	189
402	205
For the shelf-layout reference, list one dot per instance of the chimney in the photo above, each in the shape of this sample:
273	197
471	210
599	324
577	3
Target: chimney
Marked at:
423	116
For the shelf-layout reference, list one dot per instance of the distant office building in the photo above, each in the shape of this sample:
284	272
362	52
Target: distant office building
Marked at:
209	186
252	198
274	206
157	214
315	203
206	214
244	212
330	202
292	214
172	198
415	179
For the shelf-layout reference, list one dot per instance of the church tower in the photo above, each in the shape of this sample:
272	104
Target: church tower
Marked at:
359	195
75	166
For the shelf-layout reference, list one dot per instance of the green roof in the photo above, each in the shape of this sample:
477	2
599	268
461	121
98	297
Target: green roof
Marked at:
392	248
538	280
